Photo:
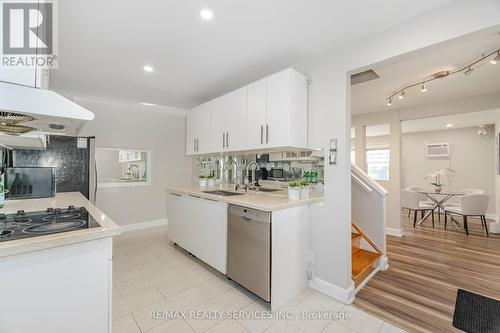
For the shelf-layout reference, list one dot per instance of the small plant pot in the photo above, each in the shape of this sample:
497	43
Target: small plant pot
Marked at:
202	182
304	192
210	182
294	193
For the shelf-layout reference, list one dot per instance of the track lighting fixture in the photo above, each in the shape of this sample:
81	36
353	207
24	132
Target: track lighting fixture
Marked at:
466	70
496	60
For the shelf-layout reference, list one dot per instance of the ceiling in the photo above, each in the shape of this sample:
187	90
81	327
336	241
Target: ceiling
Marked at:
413	67
103	45
462	120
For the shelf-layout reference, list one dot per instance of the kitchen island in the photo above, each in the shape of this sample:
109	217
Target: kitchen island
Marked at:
60	282
198	222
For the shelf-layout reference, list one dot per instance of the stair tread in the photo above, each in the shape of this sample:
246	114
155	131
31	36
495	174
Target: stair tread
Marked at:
354	235
361	259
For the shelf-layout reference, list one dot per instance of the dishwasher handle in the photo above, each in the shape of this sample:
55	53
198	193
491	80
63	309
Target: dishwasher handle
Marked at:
250	214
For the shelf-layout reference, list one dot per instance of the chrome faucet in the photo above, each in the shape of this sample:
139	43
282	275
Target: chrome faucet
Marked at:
247	182
235	176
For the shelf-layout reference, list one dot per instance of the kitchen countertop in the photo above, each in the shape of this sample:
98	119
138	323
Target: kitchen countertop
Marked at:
107	228
265	201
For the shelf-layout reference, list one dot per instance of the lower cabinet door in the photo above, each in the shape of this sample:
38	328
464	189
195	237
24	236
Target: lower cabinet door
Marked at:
199	226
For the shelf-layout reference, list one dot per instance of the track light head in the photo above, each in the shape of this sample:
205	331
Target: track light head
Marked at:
468	71
423	88
495	60
402	95
389	101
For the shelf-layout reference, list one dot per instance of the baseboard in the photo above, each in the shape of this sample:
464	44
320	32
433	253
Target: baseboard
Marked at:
341	294
394	232
144	225
493	217
383	263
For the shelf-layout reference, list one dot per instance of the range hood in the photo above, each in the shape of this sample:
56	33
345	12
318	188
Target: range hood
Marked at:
44	111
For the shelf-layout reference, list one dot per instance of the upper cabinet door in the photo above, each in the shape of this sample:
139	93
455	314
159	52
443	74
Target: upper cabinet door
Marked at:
236	120
198	140
219	123
257	110
286	110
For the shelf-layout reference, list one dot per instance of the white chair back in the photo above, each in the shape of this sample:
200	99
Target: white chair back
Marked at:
422	197
474	204
471	191
410	199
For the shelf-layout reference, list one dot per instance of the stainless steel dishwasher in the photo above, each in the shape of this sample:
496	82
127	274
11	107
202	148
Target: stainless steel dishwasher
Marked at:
249	249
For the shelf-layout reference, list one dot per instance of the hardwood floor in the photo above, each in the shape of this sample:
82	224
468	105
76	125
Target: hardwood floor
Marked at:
426	268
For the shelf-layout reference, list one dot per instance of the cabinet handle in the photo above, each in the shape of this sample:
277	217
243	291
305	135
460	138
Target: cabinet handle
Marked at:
267	133
261	134
197	144
227	139
194	144
175	194
223	140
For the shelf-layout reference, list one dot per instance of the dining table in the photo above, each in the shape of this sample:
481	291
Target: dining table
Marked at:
439	199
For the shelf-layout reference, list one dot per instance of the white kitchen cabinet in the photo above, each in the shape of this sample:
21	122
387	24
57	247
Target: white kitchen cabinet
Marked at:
62	289
270	113
199	226
198	130
229	119
219	123
257	114
286	110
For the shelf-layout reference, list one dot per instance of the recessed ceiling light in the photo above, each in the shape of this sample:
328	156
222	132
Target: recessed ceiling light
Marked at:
449	125
206	14
148	68
148	104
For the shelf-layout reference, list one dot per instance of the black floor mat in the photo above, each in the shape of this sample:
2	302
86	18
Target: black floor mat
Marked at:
475	313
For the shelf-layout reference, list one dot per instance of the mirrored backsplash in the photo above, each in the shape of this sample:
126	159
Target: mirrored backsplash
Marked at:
280	167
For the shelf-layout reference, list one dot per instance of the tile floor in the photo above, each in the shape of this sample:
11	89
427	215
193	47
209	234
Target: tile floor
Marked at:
151	276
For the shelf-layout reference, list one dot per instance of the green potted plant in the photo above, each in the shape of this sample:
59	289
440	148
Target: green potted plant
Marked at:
294	190
202	180
304	190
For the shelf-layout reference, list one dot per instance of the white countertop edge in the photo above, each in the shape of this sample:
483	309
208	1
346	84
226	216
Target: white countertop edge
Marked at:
108	227
274	202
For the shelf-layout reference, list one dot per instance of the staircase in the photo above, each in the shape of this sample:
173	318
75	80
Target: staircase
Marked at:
364	262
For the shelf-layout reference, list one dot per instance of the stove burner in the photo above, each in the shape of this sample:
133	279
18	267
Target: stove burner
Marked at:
6	233
22	219
47	228
61	217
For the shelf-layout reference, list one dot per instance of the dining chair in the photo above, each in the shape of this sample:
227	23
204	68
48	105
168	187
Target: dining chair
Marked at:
471	205
413	202
464	191
424	198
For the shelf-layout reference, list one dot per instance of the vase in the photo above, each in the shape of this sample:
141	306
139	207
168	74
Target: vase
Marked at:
438	189
294	193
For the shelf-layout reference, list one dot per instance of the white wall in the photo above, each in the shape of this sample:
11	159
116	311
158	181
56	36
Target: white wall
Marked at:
160	130
471	156
393	216
330	117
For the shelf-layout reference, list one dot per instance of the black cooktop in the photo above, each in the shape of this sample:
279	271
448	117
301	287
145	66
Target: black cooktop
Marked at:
51	221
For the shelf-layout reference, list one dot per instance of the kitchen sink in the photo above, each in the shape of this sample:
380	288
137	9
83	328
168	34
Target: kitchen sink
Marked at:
222	193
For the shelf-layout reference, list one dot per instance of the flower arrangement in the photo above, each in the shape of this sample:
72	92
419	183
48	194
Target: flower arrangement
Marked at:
438	178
